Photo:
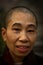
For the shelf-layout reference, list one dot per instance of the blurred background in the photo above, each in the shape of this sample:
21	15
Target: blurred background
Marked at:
5	5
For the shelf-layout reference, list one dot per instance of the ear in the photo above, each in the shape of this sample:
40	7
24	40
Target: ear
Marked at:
4	33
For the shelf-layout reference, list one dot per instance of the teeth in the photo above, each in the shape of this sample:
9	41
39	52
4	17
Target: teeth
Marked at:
22	46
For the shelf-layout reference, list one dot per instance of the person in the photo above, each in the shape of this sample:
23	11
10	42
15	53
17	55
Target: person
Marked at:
19	33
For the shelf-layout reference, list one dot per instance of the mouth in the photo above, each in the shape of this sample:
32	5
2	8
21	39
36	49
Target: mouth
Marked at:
22	48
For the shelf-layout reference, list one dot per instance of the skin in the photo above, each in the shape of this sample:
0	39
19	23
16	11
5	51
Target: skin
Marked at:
21	33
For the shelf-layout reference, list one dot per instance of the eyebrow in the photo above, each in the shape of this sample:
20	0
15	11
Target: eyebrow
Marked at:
16	24
32	25
29	25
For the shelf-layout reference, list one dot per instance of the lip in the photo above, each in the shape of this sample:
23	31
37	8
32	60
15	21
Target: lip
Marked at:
22	48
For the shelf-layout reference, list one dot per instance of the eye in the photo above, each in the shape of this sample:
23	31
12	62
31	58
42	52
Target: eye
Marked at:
16	29
31	31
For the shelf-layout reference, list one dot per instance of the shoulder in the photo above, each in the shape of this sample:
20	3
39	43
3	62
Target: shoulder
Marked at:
2	62
33	59
39	59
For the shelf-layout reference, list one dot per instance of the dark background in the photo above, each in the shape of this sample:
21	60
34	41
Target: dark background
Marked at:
5	5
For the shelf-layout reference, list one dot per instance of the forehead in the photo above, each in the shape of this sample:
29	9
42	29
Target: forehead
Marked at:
19	9
21	15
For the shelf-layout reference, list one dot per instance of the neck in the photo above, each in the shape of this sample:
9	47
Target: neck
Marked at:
17	59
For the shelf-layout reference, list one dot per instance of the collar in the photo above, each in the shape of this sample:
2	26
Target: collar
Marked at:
30	59
7	57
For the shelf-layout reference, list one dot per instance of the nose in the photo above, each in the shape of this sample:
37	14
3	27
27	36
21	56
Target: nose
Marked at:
23	37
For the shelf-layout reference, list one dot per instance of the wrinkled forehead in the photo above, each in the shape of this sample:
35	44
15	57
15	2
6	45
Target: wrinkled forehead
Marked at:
18	9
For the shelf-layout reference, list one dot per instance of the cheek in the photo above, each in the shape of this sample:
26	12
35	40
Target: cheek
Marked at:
33	38
10	40
11	37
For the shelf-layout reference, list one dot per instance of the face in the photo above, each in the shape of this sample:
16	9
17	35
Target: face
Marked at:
20	34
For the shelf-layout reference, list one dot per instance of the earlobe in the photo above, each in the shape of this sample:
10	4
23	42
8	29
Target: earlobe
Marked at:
4	34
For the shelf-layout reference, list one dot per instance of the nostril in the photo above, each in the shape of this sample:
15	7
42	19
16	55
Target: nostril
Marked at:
23	41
